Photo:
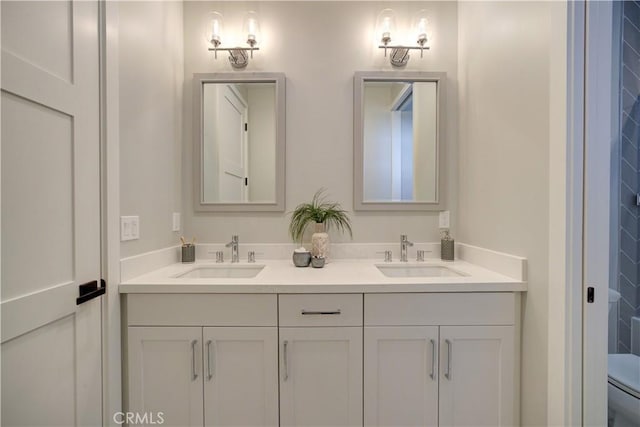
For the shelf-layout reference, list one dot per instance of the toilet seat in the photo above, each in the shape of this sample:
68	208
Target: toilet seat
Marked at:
624	373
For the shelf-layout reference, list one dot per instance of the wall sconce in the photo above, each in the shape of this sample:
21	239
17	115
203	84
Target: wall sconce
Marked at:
237	55
386	28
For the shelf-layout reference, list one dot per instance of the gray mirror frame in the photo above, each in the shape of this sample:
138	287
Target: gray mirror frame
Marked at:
199	80
358	139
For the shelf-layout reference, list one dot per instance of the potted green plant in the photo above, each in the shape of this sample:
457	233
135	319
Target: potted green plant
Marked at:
323	214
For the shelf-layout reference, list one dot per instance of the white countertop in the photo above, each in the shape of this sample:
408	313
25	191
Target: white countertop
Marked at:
338	276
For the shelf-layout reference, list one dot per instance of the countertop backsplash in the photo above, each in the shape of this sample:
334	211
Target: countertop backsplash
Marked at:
509	265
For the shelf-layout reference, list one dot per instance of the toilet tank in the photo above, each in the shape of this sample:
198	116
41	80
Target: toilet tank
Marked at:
614	296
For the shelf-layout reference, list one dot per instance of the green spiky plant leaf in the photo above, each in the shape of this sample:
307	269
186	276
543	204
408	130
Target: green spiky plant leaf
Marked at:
319	210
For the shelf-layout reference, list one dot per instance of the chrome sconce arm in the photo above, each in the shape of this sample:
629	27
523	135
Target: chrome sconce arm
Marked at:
400	54
237	55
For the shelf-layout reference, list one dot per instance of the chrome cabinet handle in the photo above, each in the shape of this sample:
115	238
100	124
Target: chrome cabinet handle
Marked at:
286	362
320	312
210	364
433	359
194	374
447	374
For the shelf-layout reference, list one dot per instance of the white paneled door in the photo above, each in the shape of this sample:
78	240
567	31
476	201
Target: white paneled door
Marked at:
50	194
602	137
232	145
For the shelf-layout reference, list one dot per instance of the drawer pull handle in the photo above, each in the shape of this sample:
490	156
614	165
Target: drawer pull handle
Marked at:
447	374
286	364
320	312
433	360
210	364
194	374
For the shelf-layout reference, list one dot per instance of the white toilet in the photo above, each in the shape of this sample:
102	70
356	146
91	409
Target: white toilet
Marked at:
624	384
624	390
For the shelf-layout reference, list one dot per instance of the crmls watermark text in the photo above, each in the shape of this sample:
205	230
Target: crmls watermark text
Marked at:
132	418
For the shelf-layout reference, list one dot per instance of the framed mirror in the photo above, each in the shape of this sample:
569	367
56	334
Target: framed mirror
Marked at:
398	137
239	147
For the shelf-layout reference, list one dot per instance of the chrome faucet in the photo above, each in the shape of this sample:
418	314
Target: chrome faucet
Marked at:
235	257
404	244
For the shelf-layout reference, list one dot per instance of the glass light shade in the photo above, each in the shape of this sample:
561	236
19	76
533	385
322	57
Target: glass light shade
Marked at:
386	25
251	27
214	28
421	27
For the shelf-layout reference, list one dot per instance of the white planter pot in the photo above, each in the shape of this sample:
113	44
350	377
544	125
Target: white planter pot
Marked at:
320	242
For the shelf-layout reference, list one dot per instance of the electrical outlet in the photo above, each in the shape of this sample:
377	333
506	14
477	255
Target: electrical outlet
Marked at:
444	219
129	228
176	221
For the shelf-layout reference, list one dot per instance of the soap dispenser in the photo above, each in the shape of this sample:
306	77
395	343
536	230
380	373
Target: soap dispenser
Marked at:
447	245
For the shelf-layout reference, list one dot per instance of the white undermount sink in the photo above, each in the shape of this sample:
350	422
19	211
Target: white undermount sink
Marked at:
222	271
417	270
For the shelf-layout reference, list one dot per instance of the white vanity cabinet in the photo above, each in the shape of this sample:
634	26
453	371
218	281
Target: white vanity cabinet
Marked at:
446	359
203	360
321	360
372	359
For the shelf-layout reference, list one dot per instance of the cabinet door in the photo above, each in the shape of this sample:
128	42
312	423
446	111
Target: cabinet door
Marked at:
401	376
477	376
321	376
165	374
241	376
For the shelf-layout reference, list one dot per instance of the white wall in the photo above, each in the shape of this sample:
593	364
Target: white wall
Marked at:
151	79
563	369
504	187
210	154
262	142
378	149
424	141
406	156
319	46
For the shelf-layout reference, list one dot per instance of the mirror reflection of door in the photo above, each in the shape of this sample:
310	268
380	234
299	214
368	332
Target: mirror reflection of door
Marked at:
400	141
225	159
401	114
232	141
239	142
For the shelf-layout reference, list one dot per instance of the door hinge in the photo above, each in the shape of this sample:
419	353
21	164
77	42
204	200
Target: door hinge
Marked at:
590	294
246	128
246	181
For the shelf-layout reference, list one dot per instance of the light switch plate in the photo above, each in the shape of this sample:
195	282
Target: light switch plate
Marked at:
176	221
444	219
129	228
125	229
135	227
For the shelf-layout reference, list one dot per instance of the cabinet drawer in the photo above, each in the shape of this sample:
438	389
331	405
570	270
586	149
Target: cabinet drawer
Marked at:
440	309
201	310
320	310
